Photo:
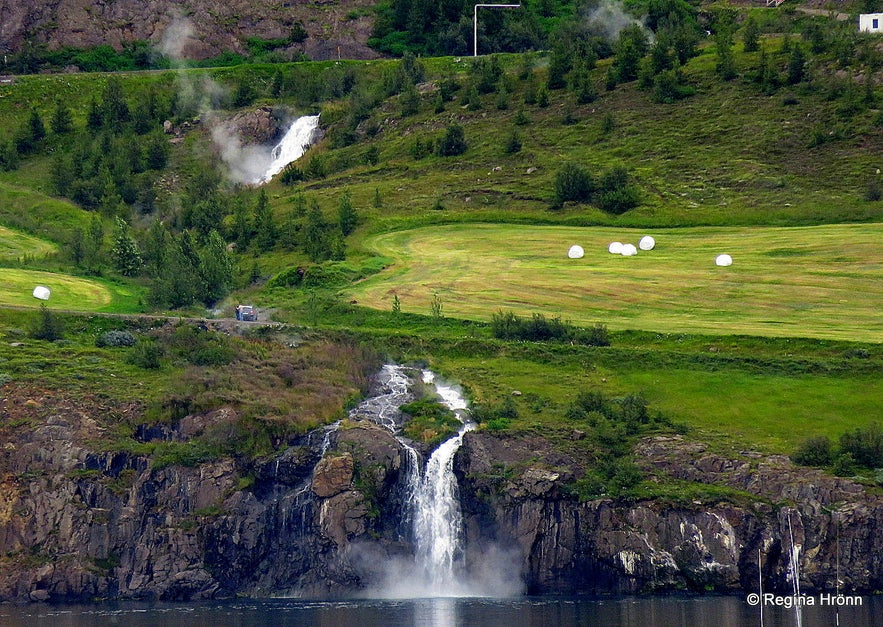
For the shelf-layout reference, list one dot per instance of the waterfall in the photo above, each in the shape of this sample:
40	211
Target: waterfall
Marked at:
431	496
293	145
438	522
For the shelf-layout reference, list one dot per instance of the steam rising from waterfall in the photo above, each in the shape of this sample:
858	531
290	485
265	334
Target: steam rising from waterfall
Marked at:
608	18
248	164
175	37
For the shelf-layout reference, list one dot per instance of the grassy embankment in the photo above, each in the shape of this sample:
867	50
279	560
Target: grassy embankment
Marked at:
730	156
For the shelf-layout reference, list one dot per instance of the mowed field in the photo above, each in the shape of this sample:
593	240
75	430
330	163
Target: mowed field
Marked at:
14	245
67	292
818	281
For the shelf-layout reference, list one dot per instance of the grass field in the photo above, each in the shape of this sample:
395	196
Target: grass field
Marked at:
772	412
68	292
14	245
821	281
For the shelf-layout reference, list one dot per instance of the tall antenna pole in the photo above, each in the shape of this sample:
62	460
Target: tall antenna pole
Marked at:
475	21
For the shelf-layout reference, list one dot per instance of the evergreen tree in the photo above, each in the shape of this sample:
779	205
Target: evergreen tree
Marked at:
453	143
46	326
114	110
264	226
36	126
156	248
796	65
513	143
125	254
142	119
347	216
178	285
630	48
582	84
241	230
94	245
30	134
77	246
8	156
157	152
94	119
410	100
559	66
62	121
317	243
726	63
751	35
215	269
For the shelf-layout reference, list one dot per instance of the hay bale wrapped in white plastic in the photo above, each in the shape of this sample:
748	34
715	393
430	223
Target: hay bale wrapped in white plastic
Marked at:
615	248
629	250
576	252
41	292
723	260
647	243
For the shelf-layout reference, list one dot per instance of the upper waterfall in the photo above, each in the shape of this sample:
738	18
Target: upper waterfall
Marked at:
293	145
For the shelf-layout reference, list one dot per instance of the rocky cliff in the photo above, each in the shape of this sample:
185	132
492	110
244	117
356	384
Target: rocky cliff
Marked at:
324	517
196	29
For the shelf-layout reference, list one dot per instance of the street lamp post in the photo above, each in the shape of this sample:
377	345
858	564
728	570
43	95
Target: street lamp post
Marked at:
475	21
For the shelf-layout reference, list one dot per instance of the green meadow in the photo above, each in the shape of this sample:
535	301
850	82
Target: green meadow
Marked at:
819	281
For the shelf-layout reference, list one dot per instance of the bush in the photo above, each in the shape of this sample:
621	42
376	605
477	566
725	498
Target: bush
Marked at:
46	326
115	339
573	183
864	445
617	194
453	143
146	354
814	451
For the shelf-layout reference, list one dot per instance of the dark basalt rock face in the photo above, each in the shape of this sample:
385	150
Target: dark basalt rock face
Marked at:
609	546
76	524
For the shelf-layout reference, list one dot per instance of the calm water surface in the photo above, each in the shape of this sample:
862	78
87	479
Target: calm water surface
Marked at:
442	612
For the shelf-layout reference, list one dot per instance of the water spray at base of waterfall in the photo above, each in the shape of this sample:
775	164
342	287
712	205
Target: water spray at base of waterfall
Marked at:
438	567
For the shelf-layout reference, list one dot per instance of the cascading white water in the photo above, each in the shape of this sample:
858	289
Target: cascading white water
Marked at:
437	518
430	511
292	146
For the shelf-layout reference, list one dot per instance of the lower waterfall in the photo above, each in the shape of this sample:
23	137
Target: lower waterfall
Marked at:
432	511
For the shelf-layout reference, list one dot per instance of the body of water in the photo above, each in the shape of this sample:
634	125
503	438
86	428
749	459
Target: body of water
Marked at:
715	611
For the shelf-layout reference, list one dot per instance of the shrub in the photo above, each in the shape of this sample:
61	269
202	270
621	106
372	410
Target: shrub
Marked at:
513	143
291	175
46	326
453	143
115	339
573	183
814	451
146	354
616	192
864	445
844	465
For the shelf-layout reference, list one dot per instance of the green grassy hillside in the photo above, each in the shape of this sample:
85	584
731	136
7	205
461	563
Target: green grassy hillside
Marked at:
777	168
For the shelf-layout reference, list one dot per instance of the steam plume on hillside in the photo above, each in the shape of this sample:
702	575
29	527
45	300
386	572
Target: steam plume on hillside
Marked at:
607	19
203	96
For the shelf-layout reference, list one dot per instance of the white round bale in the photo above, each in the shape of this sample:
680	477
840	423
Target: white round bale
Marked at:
615	248
629	250
647	243
723	260
576	252
41	292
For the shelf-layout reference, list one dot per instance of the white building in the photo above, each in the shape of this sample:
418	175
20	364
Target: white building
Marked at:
870	22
